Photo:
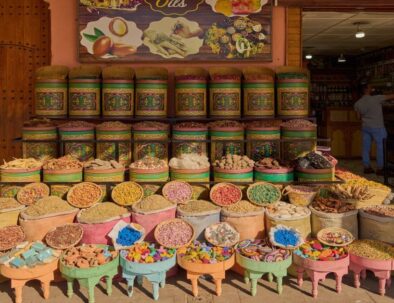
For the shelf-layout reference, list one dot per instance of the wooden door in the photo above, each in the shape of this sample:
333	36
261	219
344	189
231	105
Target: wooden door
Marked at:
24	46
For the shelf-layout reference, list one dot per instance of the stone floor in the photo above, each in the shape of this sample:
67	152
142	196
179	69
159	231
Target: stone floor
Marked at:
178	289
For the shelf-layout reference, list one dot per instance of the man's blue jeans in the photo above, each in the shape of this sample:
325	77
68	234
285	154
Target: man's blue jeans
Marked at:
377	134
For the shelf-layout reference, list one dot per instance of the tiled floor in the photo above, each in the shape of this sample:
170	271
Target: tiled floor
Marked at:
178	289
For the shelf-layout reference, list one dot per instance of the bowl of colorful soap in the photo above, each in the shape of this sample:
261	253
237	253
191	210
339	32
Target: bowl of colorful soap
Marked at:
205	258
317	255
145	257
285	237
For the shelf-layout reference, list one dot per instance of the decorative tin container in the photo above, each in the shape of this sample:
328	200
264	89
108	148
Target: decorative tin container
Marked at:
190	92
78	146
225	92
258	92
39	150
108	150
224	141
294	149
118	98
257	150
84	97
189	131
292	91
51	97
154	133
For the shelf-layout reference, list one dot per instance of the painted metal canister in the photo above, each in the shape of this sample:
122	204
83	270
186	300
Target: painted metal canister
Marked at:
112	150
189	131
190	96
294	149
226	140
118	98
292	91
153	139
39	149
51	97
258	92
256	149
84	97
151	98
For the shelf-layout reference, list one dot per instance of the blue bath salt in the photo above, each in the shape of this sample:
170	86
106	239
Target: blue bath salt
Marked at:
286	237
128	236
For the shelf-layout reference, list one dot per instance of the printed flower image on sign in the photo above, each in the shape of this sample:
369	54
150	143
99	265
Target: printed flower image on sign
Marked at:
111	38
232	8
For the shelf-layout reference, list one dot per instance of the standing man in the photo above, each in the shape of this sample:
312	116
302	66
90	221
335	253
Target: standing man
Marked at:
369	108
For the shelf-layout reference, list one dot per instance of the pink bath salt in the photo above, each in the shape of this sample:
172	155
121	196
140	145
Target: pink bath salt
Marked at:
174	234
178	192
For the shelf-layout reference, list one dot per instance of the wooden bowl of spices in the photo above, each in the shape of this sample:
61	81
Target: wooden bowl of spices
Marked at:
174	233
31	193
64	236
84	195
263	193
127	193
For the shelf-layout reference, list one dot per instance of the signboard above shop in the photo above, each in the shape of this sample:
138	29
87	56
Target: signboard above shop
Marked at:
174	30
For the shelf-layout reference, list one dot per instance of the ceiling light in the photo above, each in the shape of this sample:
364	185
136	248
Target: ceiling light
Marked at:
359	33
341	59
308	56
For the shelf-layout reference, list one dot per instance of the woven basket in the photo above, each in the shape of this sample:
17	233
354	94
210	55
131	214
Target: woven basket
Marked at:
299	195
64	247
115	198
20	192
156	233
262	183
12	245
321	233
165	190
216	186
219	244
70	192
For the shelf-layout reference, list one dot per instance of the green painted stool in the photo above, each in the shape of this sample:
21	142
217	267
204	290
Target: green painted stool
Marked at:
153	272
255	270
90	277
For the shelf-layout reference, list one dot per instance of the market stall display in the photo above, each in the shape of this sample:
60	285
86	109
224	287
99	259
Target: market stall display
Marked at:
262	139
204	259
192	133
224	194
125	235
127	193
11	236
100	170
178	192
377	222
21	170
31	193
334	236
318	260
31	261
65	169
246	218
270	170
45	214
285	237
9	211
88	264
64	236
300	195
174	233
222	234
146	260
233	167
314	167
262	193
151	211
374	256
257	258
97	221
200	214
84	195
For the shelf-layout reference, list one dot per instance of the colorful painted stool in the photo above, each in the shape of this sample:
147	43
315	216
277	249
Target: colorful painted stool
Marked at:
216	271
381	269
318	270
20	276
255	270
153	272
90	277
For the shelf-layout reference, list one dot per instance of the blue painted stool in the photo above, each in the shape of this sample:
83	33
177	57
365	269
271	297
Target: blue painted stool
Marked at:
153	272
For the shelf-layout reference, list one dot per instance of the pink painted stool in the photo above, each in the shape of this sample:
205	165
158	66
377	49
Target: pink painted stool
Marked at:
318	270
381	269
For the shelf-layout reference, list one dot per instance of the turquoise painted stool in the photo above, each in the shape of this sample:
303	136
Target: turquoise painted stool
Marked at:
153	272
90	277
255	270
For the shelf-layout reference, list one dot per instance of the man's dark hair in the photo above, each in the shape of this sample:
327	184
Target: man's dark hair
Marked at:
362	86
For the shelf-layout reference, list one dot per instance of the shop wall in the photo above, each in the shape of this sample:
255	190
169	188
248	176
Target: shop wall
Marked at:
64	37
